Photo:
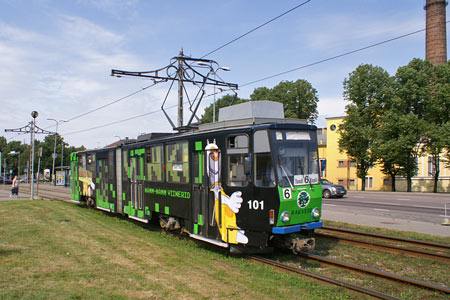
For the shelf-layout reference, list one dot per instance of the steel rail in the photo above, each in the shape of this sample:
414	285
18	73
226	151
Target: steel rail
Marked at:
392	248
372	271
322	278
388	237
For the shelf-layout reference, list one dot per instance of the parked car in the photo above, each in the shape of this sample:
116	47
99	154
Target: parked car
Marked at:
7	180
330	189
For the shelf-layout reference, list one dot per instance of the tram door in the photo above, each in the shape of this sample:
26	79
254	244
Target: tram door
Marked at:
204	222
200	191
137	185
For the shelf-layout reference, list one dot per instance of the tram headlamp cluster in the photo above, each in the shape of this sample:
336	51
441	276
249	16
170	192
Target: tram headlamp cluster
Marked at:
315	213
285	217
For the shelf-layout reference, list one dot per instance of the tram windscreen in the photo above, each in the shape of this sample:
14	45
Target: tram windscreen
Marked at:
295	157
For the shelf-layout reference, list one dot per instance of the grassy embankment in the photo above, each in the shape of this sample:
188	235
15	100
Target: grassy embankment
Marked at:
56	250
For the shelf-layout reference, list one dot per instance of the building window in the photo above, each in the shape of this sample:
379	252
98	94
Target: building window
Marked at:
352	164
352	182
341	164
386	182
417	167
431	165
177	162
341	181
369	182
333	127
237	150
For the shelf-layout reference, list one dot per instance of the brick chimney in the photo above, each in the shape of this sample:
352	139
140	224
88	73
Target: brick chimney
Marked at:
436	36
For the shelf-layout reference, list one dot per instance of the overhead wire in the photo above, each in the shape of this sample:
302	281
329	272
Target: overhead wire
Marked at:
215	50
111	103
336	56
272	76
256	28
120	121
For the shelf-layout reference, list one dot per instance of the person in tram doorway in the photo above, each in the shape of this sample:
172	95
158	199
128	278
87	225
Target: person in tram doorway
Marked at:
230	205
15	187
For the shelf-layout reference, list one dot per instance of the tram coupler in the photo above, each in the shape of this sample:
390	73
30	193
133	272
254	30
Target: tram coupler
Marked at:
295	242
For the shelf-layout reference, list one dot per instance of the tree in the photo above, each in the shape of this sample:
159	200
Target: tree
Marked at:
369	89
299	98
437	117
396	144
413	93
47	152
226	100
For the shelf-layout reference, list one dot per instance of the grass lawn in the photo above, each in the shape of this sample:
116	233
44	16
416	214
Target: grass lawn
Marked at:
56	250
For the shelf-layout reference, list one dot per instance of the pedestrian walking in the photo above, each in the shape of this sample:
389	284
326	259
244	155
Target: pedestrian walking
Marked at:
15	187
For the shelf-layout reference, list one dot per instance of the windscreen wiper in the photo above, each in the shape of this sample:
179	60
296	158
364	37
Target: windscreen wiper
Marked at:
285	173
303	172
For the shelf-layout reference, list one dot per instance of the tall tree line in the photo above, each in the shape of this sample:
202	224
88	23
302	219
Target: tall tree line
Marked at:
46	162
393	120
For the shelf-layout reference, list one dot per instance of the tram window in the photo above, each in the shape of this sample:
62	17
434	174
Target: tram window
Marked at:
125	161
154	161
82	161
237	150
177	162
89	159
263	167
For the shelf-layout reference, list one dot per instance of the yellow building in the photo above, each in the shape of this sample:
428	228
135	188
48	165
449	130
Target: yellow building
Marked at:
338	168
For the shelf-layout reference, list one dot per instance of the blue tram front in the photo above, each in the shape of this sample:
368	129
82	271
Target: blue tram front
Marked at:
247	184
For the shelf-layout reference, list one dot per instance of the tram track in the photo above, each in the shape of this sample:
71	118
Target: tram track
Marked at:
387	247
322	278
416	243
372	271
63	194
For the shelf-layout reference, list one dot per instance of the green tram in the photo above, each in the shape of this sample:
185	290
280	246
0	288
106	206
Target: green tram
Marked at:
247	184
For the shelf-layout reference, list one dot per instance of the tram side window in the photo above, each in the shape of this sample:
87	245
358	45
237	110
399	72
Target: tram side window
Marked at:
82	161
177	162
90	158
125	170
237	151
263	167
154	162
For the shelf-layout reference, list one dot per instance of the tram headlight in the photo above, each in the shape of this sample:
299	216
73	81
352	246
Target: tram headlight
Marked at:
285	217
315	213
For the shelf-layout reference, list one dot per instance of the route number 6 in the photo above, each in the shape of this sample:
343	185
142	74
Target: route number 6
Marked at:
287	194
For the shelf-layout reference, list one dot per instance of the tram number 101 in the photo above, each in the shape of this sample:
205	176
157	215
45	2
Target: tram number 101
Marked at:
255	204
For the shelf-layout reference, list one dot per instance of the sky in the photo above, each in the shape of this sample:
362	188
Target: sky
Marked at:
56	56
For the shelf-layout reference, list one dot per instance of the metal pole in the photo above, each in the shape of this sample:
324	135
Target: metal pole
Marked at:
62	153
180	91
214	103
54	152
54	156
32	159
39	166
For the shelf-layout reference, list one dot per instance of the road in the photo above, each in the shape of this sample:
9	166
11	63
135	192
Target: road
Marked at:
421	212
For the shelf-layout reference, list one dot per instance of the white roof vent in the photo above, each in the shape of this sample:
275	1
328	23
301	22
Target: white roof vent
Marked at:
252	110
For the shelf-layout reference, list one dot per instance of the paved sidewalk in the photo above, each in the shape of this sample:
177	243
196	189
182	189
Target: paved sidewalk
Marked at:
384	222
5	192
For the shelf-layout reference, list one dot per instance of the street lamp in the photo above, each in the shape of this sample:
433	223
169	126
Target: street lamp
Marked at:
18	162
54	149
34	115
